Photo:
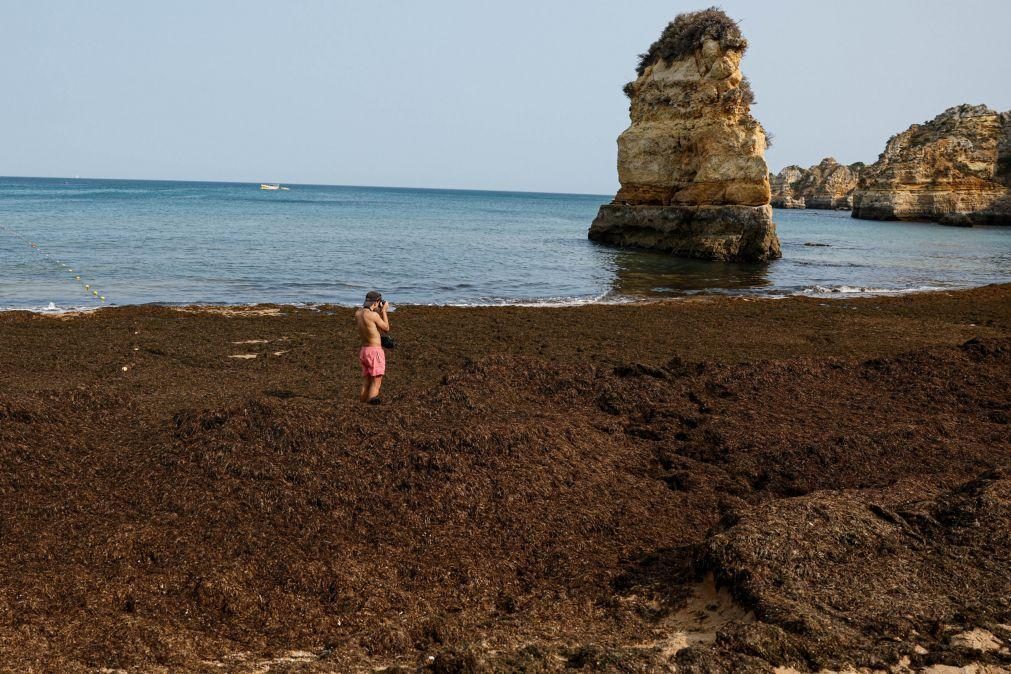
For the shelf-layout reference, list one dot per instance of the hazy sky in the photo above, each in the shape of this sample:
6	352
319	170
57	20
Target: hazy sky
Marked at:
521	95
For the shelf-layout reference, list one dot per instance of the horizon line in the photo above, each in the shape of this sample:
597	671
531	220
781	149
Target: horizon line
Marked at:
261	182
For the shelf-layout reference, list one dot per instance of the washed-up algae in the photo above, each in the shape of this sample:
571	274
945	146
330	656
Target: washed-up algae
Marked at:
520	507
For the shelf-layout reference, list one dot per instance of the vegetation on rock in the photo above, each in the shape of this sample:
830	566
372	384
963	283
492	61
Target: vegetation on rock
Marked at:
687	31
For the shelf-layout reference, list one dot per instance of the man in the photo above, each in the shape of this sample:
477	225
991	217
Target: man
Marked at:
372	321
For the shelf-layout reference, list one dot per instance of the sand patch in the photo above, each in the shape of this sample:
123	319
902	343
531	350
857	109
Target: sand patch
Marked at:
232	311
977	639
706	611
245	663
972	668
904	667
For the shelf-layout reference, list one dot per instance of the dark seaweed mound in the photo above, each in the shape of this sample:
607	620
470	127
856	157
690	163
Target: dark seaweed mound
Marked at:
686	32
528	498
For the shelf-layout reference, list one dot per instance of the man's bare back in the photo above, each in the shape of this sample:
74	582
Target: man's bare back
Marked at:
368	326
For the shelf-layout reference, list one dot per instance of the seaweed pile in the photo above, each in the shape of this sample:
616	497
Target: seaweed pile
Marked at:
552	506
522	514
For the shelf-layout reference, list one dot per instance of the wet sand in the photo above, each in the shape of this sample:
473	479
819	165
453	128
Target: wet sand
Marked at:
544	488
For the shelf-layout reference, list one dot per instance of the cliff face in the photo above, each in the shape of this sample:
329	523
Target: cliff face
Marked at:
830	184
955	169
782	185
693	176
827	185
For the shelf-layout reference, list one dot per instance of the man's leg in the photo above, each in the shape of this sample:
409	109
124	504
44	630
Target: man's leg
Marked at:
374	385
366	385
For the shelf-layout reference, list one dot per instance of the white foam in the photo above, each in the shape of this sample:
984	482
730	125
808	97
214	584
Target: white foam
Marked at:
852	290
51	309
608	298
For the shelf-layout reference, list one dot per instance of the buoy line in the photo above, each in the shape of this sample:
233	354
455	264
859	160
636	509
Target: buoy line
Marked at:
75	275
94	293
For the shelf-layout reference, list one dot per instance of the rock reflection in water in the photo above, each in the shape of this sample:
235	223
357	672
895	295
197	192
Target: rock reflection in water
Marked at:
643	273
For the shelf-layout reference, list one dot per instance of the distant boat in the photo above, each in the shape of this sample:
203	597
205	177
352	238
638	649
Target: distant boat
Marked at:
271	186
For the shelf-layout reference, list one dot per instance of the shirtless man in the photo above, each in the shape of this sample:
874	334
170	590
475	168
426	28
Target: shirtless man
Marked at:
372	321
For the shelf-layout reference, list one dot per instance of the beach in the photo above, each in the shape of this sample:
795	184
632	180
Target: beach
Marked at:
677	382
707	482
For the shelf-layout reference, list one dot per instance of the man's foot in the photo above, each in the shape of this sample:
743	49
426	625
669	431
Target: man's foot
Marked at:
375	401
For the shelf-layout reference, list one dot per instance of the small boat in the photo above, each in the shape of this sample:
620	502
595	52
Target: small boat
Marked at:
269	186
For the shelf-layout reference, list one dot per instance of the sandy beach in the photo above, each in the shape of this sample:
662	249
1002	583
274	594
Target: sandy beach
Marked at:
715	482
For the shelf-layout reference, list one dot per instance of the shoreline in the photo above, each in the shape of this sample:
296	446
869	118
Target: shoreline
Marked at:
840	293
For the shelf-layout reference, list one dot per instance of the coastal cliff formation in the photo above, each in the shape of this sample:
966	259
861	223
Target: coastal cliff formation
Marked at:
827	185
781	185
693	176
955	169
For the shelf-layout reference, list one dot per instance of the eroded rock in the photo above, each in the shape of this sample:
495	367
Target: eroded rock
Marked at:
826	185
955	169
784	195
694	180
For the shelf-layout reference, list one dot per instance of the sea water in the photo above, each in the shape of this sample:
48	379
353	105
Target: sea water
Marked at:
136	242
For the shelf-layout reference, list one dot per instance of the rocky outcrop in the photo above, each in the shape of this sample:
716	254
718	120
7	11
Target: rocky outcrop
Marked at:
694	181
955	169
830	185
827	185
782	187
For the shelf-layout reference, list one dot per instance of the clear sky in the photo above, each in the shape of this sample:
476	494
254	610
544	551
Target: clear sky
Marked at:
522	95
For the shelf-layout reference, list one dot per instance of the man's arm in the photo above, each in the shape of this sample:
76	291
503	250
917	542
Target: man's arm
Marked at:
382	320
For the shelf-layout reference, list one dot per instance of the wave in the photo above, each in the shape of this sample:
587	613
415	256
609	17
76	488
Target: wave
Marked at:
822	263
861	290
608	298
52	309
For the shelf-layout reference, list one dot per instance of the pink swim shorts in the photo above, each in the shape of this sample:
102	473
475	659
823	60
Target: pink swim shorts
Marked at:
373	360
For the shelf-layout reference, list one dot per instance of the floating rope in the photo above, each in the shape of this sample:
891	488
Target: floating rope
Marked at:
76	275
94	293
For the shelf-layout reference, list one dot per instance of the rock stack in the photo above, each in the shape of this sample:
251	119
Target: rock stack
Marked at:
694	181
827	185
955	169
783	186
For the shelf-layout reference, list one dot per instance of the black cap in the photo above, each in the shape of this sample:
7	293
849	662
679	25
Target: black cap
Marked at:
372	296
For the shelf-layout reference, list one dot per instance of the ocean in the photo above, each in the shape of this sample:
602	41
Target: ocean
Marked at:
178	243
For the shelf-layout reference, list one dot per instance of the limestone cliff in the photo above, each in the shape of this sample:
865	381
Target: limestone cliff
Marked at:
784	195
955	169
827	185
693	176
